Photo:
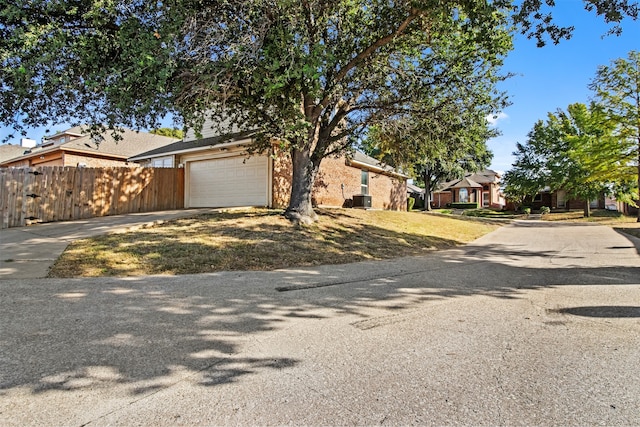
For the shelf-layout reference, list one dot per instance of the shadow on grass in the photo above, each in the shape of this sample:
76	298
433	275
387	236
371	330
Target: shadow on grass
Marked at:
236	241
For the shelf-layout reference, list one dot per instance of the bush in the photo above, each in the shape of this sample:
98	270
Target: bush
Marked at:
526	211
544	210
410	202
458	205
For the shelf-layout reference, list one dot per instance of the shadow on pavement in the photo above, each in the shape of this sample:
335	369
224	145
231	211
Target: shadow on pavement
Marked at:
62	334
602	311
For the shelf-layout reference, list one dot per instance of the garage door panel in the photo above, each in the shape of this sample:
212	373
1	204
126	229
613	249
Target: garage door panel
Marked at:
233	181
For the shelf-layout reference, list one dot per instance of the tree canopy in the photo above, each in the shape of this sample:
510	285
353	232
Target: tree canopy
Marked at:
617	89
563	153
172	132
312	74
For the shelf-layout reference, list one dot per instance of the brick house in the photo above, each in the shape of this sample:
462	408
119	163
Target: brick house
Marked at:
72	147
219	172
481	187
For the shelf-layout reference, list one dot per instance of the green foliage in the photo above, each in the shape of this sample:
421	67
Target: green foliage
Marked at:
526	211
171	132
565	152
460	205
617	89
545	210
312	74
410	202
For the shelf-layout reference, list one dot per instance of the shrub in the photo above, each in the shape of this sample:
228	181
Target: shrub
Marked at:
526	211
545	210
458	205
410	202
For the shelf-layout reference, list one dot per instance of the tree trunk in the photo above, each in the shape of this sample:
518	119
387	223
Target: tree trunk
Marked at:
300	209
427	191
638	201
587	209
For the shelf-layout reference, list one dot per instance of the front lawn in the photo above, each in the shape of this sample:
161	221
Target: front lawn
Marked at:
261	239
601	216
619	222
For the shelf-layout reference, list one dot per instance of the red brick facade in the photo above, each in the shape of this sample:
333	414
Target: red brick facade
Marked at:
337	183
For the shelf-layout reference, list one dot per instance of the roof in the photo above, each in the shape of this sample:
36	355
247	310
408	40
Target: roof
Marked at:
361	159
414	188
10	151
179	147
131	144
471	180
466	183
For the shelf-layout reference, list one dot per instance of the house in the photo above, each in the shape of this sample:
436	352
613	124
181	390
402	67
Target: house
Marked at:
481	187
73	147
220	172
10	151
560	200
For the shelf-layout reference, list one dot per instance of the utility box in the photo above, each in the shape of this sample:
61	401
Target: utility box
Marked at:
362	201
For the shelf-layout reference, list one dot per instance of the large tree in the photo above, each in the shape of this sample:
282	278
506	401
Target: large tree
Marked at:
563	153
617	89
309	74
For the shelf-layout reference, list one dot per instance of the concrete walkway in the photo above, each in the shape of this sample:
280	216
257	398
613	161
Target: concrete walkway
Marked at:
534	324
29	252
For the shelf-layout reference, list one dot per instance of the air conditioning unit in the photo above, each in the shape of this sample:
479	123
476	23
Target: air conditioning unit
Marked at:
362	201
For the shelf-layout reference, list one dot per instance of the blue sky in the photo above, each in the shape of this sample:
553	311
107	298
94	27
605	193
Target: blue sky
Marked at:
555	76
546	78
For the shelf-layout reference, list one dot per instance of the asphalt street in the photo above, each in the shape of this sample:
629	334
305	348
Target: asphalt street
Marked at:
533	324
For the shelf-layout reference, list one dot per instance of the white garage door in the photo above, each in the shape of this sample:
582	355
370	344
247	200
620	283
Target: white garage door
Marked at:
229	181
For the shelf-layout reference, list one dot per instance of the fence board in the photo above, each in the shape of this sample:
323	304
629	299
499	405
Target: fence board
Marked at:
68	193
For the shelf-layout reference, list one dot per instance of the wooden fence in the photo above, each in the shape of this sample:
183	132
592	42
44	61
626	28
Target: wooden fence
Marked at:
46	194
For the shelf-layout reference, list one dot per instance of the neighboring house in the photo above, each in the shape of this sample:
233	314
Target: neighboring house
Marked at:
482	188
220	173
560	200
10	151
75	148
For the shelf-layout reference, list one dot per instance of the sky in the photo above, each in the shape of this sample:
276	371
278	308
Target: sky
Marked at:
547	78
555	76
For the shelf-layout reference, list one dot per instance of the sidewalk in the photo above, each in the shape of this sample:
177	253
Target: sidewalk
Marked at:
29	252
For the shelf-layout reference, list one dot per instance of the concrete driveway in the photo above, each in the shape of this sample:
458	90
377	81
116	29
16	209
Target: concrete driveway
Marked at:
29	252
535	324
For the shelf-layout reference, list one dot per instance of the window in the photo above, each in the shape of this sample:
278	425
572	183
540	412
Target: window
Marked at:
464	195
538	198
364	182
164	162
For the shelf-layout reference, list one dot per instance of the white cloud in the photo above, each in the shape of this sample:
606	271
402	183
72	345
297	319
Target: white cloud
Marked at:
494	118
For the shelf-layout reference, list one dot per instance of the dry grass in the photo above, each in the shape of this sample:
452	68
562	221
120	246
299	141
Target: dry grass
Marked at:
619	222
260	239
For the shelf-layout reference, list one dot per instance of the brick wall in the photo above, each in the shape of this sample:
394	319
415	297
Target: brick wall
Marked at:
336	184
441	200
94	162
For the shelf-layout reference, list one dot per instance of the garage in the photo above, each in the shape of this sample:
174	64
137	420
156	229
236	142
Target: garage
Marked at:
228	182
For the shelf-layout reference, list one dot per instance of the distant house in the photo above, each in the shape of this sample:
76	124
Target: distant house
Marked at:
560	200
482	188
219	172
73	147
